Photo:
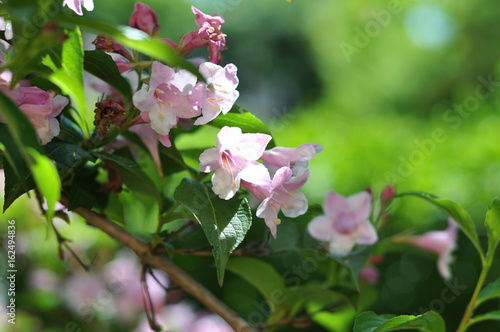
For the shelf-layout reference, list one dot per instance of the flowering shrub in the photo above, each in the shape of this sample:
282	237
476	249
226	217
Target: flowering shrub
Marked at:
152	94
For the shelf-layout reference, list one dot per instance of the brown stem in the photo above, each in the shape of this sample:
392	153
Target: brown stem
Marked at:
177	275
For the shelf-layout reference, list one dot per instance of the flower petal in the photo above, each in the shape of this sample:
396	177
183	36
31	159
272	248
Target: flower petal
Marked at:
321	228
341	245
366	233
334	204
360	205
210	160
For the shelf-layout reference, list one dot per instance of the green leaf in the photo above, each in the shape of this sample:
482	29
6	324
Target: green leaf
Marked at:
225	222
132	175
68	73
132	38
455	211
492	224
14	187
46	178
14	157
369	321
492	315
248	122
102	66
354	262
79	197
262	276
489	292
16	135
65	154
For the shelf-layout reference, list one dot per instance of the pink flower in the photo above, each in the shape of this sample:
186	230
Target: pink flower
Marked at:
76	5
234	159
171	95
440	242
41	107
209	33
295	158
145	19
280	193
221	90
345	222
7	27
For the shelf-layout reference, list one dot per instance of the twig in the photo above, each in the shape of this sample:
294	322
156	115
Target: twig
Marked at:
146	299
177	275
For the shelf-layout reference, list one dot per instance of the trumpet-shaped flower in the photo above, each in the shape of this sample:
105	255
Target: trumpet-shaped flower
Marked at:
41	108
76	5
280	194
234	159
145	19
344	223
221	90
209	33
295	158
171	95
440	242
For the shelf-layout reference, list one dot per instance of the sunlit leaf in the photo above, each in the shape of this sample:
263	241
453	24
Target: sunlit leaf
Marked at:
46	178
68	73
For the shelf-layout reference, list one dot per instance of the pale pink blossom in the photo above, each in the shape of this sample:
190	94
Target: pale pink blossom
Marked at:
6	25
221	90
234	159
209	33
171	95
295	158
280	194
41	108
145	19
440	242
344	223
76	5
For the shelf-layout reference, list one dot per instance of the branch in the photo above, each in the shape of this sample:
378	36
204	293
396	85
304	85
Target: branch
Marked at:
177	275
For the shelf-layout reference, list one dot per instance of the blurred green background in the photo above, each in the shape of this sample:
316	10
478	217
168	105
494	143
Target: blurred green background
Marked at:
396	92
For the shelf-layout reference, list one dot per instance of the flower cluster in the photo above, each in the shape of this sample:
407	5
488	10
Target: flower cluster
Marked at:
275	182
173	94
